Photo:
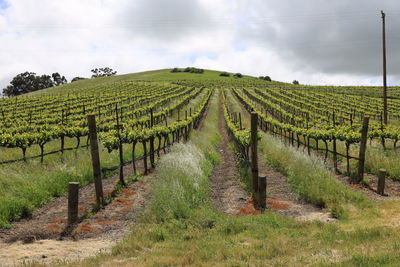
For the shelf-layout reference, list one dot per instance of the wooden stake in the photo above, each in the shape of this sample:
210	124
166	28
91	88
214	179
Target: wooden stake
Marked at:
262	191
73	201
254	158
94	149
363	149
381	182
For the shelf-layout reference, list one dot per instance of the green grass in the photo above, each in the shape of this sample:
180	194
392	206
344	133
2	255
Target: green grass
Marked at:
377	159
194	233
26	186
309	177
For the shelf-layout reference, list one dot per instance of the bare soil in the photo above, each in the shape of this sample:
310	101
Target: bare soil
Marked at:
227	194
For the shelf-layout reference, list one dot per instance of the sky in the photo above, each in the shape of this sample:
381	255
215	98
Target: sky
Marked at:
317	42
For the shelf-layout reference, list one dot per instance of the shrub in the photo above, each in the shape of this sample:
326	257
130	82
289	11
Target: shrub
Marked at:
175	70
238	75
295	82
265	78
193	70
196	70
224	74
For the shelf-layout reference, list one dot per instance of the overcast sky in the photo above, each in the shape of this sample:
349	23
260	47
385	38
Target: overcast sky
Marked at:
314	41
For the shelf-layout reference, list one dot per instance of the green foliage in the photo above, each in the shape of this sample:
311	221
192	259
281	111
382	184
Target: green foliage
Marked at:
265	78
224	74
174	70
103	72
28	82
309	177
191	70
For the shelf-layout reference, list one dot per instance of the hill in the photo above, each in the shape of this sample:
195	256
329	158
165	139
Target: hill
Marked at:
164	75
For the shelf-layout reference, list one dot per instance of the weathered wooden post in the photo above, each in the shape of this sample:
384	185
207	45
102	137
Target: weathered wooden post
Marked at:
262	191
363	149
73	200
381	182
120	149
152	141
253	143
94	149
144	156
62	135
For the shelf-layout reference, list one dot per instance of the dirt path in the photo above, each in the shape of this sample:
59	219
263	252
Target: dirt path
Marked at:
227	194
280	196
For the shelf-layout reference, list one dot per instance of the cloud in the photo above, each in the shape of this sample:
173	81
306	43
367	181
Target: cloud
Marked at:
315	41
335	37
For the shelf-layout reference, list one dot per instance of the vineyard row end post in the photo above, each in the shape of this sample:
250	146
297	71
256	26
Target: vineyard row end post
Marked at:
73	201
94	150
363	149
254	158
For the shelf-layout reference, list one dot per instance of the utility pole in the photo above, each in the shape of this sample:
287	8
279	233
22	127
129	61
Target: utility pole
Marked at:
385	114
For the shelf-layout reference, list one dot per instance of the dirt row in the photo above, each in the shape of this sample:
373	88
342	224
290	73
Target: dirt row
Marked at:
230	196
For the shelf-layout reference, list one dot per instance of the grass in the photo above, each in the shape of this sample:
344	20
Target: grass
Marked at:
309	177
377	159
26	186
196	234
163	76
181	227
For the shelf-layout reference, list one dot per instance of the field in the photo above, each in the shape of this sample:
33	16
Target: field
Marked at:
178	160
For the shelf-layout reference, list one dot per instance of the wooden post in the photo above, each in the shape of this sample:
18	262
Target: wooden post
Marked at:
385	113
152	141
144	156
240	121
120	150
381	182
94	149
73	200
254	158
363	149
262	191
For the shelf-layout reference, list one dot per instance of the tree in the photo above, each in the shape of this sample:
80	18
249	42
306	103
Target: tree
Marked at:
224	74
77	79
58	79
22	83
295	82
28	82
238	75
44	81
103	72
265	78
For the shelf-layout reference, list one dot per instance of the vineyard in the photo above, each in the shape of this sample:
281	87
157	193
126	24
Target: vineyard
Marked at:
192	153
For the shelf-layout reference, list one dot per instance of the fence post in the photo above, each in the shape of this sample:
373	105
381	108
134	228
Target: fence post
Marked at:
94	149
363	149
152	141
254	158
381	182
262	191
73	200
